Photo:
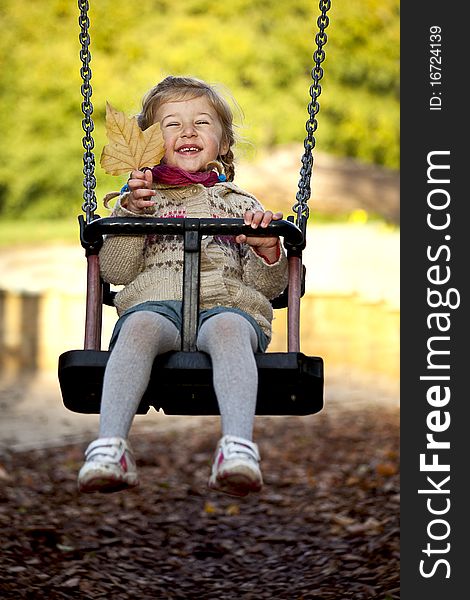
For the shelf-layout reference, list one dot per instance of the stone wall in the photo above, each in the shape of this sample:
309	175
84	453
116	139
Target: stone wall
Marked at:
339	185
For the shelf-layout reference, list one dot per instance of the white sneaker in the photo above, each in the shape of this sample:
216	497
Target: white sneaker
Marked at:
109	467
235	470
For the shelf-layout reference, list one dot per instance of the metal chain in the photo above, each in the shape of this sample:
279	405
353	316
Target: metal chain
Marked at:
89	181
301	208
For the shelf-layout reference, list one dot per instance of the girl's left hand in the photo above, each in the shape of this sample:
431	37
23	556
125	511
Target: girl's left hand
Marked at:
267	247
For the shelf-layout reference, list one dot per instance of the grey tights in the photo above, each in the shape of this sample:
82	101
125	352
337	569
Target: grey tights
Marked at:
228	338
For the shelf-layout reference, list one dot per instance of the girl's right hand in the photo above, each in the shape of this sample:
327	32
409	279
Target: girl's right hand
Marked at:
141	193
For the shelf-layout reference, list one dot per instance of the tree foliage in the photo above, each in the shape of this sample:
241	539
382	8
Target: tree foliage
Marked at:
260	50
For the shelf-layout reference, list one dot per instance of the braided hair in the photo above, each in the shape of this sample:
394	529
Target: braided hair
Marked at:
184	88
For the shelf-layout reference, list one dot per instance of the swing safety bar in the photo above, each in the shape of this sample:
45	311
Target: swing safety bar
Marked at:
92	233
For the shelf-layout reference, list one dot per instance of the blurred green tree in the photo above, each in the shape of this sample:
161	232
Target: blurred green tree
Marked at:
261	50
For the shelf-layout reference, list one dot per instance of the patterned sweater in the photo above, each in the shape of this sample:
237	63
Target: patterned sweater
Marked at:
151	267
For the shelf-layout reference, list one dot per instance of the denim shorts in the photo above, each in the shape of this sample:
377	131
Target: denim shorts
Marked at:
173	309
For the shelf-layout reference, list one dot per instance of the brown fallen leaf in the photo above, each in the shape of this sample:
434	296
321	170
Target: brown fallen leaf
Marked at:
386	469
129	147
4	474
342	520
233	509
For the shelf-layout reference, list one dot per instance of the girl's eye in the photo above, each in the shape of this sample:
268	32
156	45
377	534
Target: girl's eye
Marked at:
172	124
202	122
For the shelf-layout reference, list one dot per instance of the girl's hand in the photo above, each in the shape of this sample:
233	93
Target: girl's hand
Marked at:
267	247
141	196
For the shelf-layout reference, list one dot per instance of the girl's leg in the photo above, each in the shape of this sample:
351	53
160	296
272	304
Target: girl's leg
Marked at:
231	340
143	335
110	465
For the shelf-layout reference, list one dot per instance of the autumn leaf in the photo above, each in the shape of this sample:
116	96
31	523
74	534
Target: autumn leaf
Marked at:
210	508
129	147
233	509
387	469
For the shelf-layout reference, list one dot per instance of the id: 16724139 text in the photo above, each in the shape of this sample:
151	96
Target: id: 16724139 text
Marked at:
435	67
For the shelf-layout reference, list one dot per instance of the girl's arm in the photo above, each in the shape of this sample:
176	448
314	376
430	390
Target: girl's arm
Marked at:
266	247
263	258
121	257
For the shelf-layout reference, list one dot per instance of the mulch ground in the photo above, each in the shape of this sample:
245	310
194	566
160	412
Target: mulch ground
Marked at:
326	525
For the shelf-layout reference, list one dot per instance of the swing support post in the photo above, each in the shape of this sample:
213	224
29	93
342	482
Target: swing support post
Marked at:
94	292
293	303
94	304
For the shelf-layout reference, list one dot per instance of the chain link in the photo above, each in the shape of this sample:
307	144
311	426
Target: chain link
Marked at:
89	182
301	208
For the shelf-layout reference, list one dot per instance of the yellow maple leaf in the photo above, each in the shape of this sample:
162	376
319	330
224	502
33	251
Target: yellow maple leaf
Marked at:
129	147
233	509
210	508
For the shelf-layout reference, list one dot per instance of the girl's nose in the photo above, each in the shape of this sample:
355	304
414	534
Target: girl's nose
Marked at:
189	130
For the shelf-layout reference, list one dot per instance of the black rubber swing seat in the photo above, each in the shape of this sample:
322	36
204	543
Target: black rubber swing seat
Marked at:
289	383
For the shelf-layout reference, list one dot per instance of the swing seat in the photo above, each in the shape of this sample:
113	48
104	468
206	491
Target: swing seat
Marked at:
290	383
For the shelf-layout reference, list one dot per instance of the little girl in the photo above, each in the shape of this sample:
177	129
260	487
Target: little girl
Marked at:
238	278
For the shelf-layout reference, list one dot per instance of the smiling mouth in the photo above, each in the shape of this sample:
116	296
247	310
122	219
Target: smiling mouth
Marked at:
188	149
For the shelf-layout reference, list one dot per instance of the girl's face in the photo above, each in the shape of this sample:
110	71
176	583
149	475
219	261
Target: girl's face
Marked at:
192	133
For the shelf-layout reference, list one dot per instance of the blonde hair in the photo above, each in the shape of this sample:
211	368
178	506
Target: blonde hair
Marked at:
184	88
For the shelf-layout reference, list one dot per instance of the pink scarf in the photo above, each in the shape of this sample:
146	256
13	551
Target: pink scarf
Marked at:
176	176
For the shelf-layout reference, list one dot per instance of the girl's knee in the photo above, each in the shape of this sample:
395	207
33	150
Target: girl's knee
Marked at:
141	321
227	326
148	325
225	323
150	332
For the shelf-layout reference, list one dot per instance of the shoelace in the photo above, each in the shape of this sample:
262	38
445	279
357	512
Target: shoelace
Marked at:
108	452
239	448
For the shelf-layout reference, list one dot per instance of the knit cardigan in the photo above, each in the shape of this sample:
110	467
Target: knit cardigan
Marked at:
151	267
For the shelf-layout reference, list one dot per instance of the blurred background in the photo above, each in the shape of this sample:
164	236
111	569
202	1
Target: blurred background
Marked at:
261	52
